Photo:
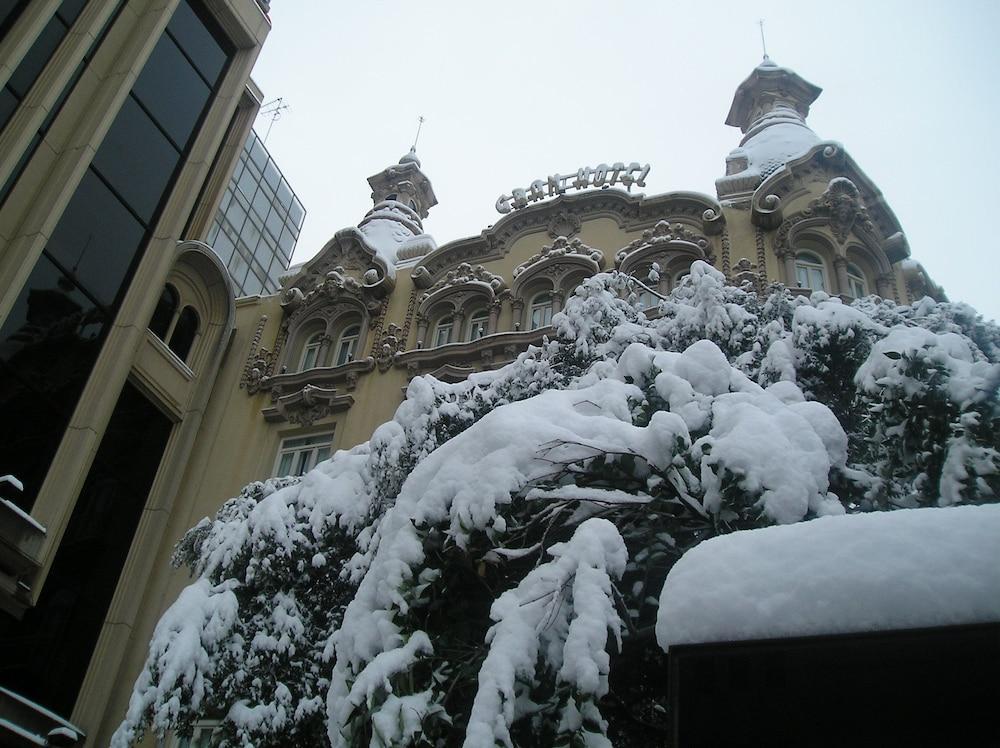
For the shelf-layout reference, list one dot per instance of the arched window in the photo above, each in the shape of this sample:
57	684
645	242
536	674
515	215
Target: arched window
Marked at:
163	315
856	285
540	313
646	300
310	351
347	346
443	331
809	272
478	324
184	333
679	277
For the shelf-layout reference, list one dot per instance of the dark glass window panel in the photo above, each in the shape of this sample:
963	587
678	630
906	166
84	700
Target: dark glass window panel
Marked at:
10	11
45	656
247	183
296	213
236	215
38	56
163	315
285	195
8	105
261	203
137	160
274	224
172	91
271	175
258	154
97	239
184	333
286	242
70	10
198	42
253	285
48	344
223	246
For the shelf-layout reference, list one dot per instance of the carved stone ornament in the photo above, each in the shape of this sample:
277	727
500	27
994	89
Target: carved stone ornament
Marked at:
746	272
842	202
564	224
463	274
663	232
387	348
562	247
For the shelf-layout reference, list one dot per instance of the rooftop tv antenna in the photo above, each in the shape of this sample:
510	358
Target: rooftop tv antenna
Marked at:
763	44
420	123
274	108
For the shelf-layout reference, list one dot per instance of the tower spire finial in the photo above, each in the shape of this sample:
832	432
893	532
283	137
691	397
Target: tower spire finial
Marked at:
763	44
420	124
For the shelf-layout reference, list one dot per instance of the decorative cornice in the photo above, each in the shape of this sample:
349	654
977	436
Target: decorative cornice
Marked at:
487	352
466	274
307	405
323	376
663	236
630	212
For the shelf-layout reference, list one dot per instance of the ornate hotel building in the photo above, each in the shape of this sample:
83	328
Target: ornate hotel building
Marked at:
211	395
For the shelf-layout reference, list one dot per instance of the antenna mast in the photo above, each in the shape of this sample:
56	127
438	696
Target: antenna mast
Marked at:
420	123
762	42
274	107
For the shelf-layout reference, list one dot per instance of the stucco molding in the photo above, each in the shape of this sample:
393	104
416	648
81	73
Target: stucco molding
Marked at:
308	405
662	244
630	212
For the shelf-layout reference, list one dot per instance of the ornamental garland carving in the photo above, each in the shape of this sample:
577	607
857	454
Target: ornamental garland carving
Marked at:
562	247
463	274
664	232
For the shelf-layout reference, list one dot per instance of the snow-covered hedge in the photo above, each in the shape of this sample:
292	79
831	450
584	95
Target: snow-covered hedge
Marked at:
479	566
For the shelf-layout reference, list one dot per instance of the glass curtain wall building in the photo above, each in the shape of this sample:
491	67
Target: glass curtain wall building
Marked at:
258	222
120	122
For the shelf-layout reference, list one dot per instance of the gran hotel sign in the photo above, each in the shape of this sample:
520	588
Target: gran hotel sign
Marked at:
602	176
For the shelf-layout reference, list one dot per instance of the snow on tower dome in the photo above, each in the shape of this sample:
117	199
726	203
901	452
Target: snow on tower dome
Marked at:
410	157
770	108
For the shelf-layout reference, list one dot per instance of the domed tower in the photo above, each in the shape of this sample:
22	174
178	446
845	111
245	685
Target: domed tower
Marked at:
403	196
798	209
770	108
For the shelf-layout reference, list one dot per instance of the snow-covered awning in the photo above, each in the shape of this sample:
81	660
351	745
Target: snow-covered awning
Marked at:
904	569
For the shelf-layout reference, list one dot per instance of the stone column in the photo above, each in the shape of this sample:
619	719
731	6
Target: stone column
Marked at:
517	306
491	326
788	257
558	298
840	266
457	328
883	286
422	323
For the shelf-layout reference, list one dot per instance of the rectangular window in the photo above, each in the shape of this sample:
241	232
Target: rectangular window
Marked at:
203	736
299	455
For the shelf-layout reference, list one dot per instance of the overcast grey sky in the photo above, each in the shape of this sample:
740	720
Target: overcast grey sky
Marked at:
515	91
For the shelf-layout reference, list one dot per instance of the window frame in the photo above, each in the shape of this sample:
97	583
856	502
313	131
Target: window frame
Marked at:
352	340
313	345
444	325
809	263
856	281
310	446
478	319
545	308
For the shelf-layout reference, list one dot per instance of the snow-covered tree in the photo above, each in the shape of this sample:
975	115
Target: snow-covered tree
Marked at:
487	569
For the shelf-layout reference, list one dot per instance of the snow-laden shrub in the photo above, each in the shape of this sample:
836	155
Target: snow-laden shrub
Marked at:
475	571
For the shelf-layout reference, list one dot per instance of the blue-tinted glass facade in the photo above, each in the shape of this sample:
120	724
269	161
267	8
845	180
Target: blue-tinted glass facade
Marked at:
258	222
